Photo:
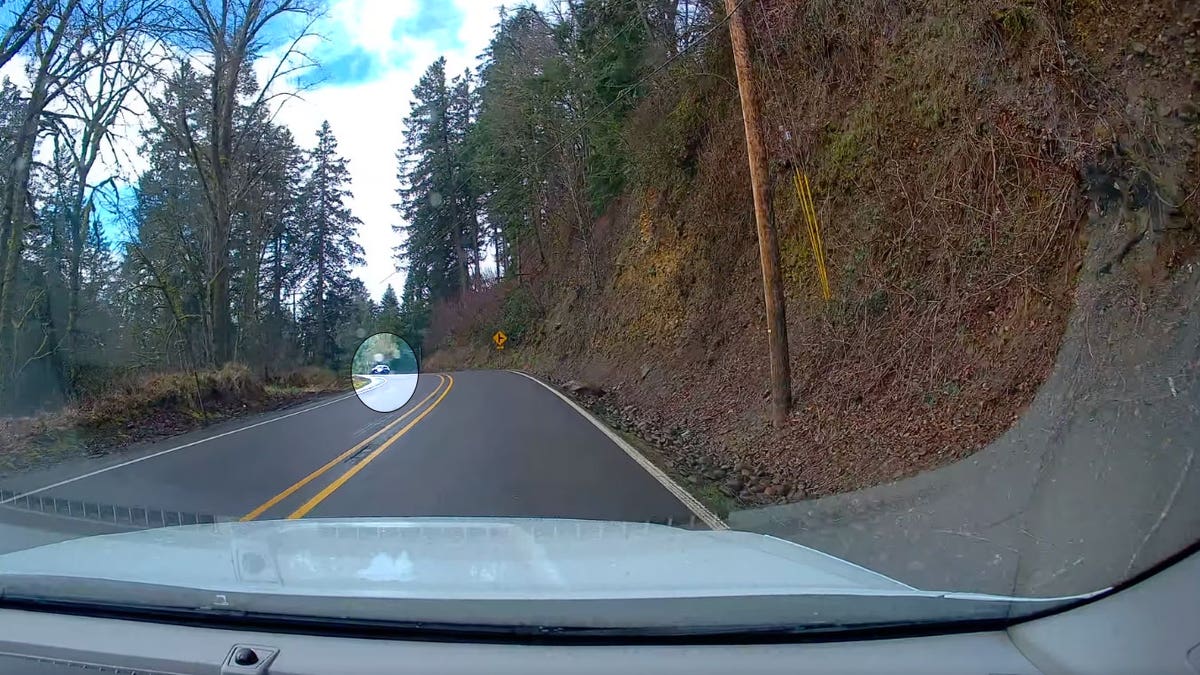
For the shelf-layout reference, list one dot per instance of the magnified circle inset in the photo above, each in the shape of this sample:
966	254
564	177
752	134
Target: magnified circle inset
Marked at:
384	372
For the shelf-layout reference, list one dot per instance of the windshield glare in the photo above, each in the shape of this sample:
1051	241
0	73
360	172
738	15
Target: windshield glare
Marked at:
682	315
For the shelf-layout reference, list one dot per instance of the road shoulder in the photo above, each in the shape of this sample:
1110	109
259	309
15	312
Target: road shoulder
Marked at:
88	461
696	506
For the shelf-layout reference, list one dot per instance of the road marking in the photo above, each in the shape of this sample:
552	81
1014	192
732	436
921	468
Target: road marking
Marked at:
711	519
375	383
170	450
341	480
340	458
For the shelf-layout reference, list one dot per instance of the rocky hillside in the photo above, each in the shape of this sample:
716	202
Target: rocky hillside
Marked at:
962	157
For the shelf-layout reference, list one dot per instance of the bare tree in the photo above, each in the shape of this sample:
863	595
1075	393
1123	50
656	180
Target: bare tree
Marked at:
228	35
26	21
72	42
84	129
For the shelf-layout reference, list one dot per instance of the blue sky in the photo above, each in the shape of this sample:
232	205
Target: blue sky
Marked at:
345	61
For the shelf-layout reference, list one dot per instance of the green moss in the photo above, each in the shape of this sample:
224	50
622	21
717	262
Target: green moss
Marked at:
1017	21
665	150
851	149
928	109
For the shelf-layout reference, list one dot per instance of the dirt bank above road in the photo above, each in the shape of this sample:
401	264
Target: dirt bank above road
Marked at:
980	170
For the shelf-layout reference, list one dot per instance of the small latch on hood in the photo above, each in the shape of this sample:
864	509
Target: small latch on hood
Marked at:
249	660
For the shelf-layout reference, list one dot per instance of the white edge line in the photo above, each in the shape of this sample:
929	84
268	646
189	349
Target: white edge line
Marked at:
711	519
170	450
376	382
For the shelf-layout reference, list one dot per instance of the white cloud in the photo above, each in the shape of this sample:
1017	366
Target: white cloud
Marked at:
367	118
370	22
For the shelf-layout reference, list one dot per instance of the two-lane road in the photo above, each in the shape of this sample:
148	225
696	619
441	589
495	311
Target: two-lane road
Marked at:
479	443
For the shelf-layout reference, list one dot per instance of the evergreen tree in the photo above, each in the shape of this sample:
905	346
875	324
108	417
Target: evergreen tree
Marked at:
354	310
327	244
435	202
522	90
388	319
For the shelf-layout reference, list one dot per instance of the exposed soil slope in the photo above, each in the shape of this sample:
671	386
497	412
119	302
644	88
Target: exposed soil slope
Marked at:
957	152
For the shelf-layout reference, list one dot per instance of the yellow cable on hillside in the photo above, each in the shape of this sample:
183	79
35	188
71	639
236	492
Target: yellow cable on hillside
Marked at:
804	193
812	209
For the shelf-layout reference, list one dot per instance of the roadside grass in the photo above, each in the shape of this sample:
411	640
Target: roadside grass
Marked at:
360	381
150	406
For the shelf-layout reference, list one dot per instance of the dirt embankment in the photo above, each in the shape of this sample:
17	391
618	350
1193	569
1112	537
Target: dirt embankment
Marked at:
153	406
962	156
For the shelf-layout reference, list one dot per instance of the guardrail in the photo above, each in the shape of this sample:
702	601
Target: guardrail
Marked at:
138	517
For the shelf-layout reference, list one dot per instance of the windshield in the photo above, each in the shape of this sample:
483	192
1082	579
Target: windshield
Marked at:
683	315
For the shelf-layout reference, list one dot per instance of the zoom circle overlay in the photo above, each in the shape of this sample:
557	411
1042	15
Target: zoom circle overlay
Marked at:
384	372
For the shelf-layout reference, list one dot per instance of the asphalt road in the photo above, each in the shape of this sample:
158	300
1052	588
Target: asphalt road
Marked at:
479	443
388	393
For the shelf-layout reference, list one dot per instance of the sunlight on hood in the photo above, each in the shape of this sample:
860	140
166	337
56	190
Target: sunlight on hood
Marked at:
453	558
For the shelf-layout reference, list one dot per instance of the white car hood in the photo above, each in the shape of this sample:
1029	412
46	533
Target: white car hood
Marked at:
496	575
481	558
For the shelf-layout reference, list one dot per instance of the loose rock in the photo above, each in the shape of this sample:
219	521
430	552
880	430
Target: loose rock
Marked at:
582	389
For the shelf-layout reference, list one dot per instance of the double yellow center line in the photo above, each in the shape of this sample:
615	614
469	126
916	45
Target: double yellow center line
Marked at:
309	505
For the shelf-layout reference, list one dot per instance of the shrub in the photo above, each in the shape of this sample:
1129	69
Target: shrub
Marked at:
1016	21
189	393
309	377
520	312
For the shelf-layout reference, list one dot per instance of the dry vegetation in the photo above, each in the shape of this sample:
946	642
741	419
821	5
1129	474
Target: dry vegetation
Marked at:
143	407
962	156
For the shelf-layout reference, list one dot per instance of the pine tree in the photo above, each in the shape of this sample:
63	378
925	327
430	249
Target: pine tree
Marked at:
164	258
436	202
388	319
269	260
327	243
524	105
354	310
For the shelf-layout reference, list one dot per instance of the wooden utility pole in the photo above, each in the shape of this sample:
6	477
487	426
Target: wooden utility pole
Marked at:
768	242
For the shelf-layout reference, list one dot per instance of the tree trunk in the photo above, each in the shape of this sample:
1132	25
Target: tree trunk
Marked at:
79	224
220	321
248	325
277	276
12	224
500	252
319	307
460	252
475	238
227	65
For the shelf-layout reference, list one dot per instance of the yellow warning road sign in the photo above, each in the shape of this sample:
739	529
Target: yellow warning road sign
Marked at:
499	338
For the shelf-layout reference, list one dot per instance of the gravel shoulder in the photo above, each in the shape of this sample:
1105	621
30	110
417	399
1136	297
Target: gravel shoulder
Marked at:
1096	482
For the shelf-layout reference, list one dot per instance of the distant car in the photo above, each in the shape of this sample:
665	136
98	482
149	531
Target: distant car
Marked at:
381	369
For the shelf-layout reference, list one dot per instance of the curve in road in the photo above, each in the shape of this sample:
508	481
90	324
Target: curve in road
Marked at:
478	443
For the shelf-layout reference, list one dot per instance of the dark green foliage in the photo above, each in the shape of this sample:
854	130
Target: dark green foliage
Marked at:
519	314
540	134
327	251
